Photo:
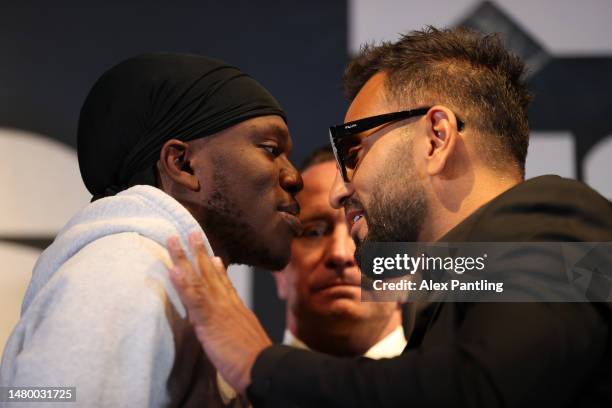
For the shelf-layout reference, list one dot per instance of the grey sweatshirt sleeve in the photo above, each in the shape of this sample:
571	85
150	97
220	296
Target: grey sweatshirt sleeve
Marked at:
103	324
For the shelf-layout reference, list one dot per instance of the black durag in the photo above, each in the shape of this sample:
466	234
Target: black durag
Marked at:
138	105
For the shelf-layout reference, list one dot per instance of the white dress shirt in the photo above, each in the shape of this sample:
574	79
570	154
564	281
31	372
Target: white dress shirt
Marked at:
391	345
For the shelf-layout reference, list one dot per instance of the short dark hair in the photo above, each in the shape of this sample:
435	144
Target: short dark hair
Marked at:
470	72
319	155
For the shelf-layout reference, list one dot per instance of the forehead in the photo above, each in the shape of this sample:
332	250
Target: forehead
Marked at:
371	99
318	180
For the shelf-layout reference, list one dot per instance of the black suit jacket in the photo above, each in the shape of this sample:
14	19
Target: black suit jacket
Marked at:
477	354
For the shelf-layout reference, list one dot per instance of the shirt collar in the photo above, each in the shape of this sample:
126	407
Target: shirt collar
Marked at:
391	345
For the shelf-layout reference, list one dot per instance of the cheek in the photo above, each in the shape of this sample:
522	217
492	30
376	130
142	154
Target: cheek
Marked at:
303	256
248	169
381	163
374	185
296	284
257	190
363	182
257	172
306	257
253	186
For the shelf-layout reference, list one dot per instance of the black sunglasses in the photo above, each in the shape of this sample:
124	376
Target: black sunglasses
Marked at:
345	137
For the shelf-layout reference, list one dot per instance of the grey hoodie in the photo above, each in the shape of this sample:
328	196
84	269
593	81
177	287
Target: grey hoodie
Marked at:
101	314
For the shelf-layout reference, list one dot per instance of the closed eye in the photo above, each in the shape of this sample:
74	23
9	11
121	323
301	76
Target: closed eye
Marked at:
271	148
352	158
314	230
350	148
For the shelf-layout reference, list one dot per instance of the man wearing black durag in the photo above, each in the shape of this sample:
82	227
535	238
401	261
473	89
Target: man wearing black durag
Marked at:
167	145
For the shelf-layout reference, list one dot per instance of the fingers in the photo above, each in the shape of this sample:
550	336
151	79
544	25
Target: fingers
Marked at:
218	263
179	258
211	269
203	261
200	284
229	332
185	279
175	249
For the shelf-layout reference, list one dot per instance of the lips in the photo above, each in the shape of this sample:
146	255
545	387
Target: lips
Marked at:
353	211
352	217
294	223
289	213
337	283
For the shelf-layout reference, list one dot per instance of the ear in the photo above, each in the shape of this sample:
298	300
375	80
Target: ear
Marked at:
442	134
174	164
281	284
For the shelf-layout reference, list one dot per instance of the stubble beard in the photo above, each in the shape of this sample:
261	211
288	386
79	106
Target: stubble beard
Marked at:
227	224
398	206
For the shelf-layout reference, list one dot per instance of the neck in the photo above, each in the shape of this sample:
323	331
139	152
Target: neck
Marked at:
455	200
343	336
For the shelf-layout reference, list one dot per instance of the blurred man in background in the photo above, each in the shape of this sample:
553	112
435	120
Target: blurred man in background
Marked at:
321	284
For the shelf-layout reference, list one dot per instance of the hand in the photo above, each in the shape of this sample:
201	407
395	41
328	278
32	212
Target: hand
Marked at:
229	332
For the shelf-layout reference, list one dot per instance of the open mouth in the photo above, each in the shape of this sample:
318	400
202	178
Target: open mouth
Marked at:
353	217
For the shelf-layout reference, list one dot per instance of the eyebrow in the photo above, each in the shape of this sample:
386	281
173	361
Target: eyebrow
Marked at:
283	135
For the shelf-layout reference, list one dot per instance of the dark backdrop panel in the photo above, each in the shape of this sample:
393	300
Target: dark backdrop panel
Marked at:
268	307
573	94
53	52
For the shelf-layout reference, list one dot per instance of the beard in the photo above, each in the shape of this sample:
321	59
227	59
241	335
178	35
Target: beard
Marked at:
227	225
398	205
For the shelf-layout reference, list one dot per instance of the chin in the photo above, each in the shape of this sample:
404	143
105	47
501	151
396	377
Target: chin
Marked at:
342	306
277	264
275	250
268	261
281	255
275	260
273	257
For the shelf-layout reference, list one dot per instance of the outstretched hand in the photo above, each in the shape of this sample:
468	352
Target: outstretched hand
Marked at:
229	332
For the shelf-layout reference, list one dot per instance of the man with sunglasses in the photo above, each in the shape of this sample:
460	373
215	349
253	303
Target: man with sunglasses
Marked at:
433	149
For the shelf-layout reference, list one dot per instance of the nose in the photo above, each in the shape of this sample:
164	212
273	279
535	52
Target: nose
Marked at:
341	249
340	191
290	178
